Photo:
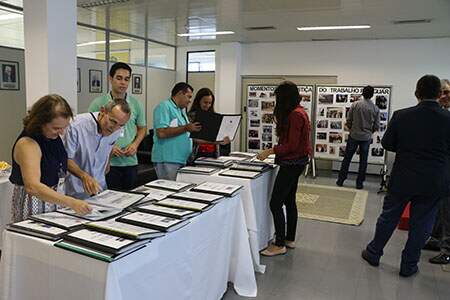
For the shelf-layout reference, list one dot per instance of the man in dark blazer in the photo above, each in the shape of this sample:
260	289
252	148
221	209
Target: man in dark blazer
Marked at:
420	137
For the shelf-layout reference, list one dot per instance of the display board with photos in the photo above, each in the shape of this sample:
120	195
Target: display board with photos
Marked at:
332	106
260	121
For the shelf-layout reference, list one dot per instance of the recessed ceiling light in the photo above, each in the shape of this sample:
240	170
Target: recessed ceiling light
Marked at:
205	33
333	27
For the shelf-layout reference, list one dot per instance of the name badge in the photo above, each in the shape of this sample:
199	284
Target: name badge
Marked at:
174	123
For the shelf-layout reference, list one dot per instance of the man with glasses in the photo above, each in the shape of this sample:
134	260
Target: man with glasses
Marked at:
89	141
440	236
124	162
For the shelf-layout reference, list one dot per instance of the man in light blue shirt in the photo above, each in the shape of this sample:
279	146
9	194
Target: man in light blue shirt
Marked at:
172	143
89	141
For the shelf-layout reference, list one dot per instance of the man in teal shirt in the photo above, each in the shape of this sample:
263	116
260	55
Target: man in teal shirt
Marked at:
172	143
123	171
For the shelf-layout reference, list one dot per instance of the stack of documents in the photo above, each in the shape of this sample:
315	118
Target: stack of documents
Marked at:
177	213
152	221
240	174
198	170
129	231
99	245
37	229
169	185
184	204
228	190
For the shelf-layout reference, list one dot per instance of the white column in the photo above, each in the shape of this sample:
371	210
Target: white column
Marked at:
50	28
229	75
228	82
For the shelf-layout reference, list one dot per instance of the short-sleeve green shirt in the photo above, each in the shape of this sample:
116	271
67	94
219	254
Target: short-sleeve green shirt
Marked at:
137	119
175	149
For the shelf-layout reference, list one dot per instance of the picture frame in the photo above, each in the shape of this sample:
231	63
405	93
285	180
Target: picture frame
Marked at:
9	75
95	81
136	83
78	80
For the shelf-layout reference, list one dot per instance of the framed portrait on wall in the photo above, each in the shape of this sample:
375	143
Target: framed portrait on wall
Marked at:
78	80
136	81
95	81
9	76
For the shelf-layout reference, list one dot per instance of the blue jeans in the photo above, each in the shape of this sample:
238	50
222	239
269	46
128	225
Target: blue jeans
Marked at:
350	150
167	170
422	214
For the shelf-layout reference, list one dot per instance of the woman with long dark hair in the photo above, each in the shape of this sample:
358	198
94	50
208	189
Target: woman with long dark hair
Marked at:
204	101
291	154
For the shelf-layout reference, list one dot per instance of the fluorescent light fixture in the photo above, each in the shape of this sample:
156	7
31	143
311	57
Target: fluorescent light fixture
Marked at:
103	42
333	27
205	33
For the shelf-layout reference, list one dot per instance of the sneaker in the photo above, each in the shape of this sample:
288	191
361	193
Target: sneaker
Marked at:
274	250
366	256
441	259
408	272
289	244
432	246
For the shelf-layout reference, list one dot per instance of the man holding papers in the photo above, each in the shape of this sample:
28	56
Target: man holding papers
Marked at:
89	142
172	143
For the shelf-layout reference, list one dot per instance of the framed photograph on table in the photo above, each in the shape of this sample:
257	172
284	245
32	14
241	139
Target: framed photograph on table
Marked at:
95	81
136	80
78	80
9	77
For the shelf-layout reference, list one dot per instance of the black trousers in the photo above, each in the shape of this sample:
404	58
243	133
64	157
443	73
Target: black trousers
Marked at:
283	193
441	229
121	178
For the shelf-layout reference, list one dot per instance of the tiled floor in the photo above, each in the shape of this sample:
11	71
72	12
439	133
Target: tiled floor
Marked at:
327	264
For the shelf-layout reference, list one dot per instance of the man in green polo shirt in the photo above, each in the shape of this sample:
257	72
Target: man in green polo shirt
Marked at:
123	171
172	143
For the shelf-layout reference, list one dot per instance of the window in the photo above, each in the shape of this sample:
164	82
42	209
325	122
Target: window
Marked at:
11	24
204	61
126	49
161	56
91	43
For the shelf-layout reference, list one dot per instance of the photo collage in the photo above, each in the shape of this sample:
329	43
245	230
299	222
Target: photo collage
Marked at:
260	121
333	104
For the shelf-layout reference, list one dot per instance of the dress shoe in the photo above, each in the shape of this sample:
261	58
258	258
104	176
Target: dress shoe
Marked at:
432	246
274	250
339	183
408	272
289	244
359	186
366	256
441	259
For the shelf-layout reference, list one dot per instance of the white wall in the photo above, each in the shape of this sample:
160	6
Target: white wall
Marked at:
85	97
399	63
159	84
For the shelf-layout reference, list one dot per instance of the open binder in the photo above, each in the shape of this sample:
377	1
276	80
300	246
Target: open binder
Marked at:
215	127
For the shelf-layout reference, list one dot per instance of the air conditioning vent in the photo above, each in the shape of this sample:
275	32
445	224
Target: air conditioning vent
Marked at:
417	21
255	28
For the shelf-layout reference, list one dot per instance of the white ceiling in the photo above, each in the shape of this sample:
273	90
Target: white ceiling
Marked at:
165	18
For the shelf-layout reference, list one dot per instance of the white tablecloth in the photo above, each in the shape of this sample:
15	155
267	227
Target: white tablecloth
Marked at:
256	198
6	190
194	262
